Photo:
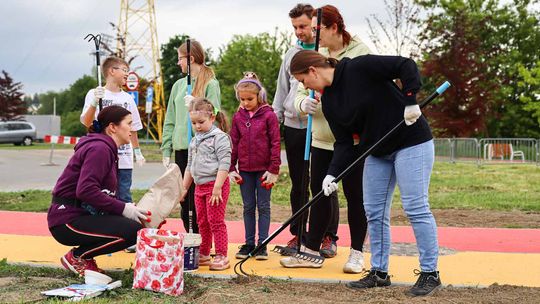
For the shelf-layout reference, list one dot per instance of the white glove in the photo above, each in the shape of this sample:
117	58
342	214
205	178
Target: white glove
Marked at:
411	114
188	99
135	213
270	178
309	105
166	161
328	186
139	158
99	93
235	177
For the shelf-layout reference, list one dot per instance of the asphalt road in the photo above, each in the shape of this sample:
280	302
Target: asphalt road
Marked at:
26	169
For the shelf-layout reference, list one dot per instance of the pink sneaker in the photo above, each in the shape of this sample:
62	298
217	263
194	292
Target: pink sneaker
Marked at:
220	263
92	265
76	265
205	260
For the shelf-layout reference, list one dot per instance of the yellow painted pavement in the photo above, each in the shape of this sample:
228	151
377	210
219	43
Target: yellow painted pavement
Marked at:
462	268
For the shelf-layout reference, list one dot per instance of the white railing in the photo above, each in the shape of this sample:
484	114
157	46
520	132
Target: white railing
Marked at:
488	150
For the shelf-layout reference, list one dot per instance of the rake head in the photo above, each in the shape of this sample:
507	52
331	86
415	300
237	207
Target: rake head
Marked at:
287	251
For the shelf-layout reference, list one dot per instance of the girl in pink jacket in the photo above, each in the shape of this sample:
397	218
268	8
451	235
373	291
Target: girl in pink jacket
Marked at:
256	151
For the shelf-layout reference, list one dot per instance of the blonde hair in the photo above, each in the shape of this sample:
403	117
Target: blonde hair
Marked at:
206	74
110	62
204	106
250	83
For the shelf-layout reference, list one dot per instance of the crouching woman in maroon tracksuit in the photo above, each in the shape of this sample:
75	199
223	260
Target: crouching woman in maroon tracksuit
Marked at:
84	211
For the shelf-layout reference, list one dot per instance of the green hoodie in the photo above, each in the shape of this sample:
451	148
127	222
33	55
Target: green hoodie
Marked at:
322	136
175	125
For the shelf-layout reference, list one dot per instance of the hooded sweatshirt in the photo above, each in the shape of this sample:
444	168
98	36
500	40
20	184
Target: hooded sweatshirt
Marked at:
89	177
255	139
320	132
209	153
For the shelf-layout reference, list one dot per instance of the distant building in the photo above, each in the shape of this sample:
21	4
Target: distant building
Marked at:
45	124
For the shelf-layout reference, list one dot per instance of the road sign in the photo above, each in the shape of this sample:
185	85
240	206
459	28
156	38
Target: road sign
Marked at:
135	95
132	82
149	99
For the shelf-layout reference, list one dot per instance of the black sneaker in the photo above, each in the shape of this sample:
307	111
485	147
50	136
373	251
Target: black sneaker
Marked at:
371	280
427	283
262	254
244	251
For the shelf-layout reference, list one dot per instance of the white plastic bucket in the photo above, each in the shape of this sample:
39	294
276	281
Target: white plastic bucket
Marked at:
192	242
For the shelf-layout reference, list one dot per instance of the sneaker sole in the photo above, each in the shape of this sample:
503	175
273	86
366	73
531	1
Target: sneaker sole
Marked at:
358	287
427	294
241	256
68	266
353	271
225	267
301	265
261	257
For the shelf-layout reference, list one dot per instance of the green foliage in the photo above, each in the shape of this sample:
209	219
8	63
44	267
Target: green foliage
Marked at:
69	100
530	81
481	45
71	124
169	59
261	54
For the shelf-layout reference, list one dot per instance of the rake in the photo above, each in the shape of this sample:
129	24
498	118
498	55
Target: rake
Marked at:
238	267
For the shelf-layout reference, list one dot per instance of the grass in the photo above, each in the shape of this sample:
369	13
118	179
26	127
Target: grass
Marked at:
25	275
34	146
453	186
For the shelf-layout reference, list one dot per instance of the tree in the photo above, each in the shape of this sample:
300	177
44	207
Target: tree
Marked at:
12	105
478	45
169	59
530	81
261	54
398	29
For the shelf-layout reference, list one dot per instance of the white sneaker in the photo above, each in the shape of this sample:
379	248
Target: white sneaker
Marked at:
294	262
355	264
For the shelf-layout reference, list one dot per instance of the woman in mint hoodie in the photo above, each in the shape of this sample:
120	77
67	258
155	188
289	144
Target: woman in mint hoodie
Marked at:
175	138
89	180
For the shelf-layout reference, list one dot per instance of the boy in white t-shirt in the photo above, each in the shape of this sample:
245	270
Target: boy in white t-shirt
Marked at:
116	71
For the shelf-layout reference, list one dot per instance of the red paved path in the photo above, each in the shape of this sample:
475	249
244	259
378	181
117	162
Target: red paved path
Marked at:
461	239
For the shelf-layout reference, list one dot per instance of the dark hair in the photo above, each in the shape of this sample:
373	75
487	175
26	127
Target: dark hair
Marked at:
107	116
304	59
204	105
301	9
330	16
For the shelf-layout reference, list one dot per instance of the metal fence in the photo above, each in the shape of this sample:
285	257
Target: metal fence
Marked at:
488	150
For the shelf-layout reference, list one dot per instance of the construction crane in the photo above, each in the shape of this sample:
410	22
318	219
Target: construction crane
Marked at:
137	43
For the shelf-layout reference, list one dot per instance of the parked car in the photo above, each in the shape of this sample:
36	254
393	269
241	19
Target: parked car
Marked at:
17	132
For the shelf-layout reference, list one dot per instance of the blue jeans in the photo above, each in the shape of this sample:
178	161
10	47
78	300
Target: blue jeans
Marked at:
255	196
411	169
124	184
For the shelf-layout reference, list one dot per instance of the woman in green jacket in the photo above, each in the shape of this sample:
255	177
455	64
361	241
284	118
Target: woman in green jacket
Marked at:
175	126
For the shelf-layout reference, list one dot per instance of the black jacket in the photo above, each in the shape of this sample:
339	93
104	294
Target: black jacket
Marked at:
364	103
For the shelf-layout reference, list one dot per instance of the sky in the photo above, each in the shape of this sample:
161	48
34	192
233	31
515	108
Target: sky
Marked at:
43	45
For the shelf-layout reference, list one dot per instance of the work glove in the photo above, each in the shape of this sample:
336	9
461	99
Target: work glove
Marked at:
188	99
99	93
309	105
234	177
135	213
139	158
280	117
166	161
328	185
411	114
268	180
